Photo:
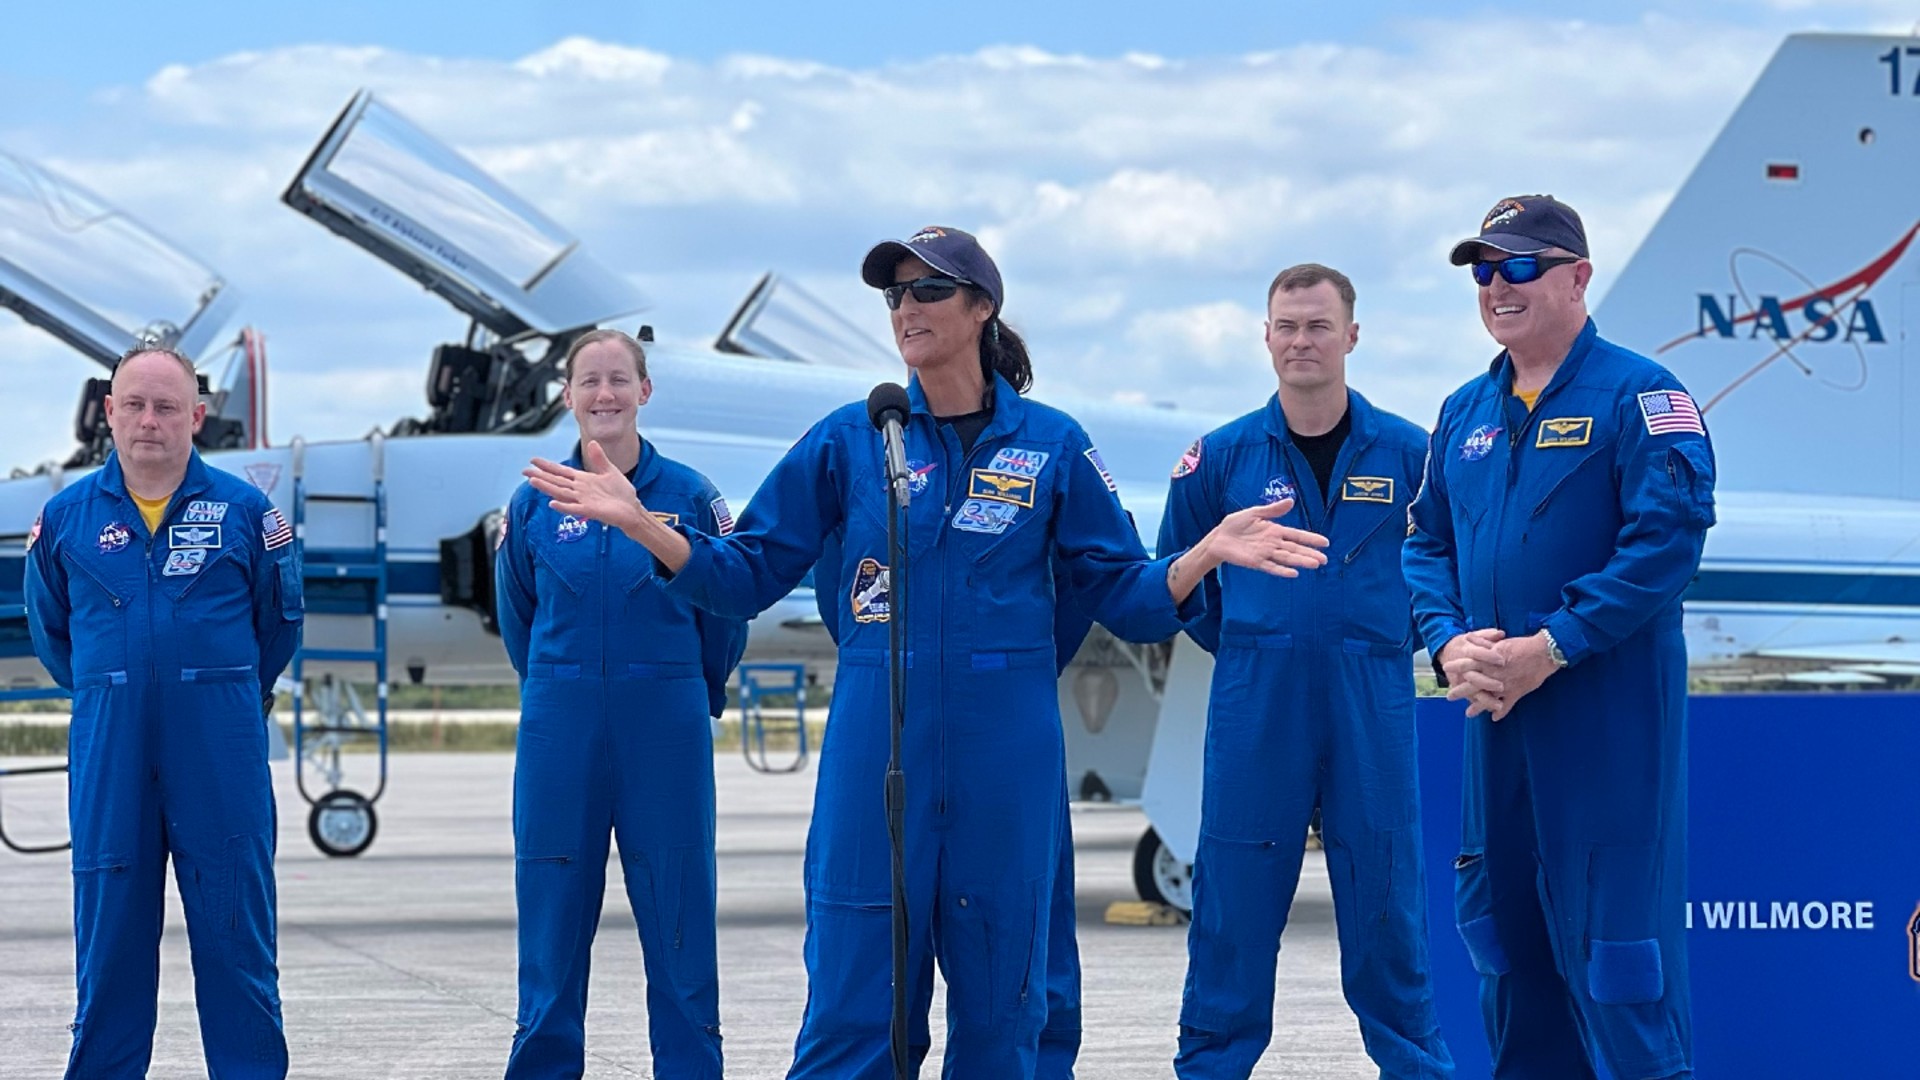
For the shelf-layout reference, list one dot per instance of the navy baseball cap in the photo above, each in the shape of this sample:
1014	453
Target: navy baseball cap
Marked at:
1526	225
950	251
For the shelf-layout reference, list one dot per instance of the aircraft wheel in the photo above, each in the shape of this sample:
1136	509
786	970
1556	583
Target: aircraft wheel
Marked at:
342	823
1159	875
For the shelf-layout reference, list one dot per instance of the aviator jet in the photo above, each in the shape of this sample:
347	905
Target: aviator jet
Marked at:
397	529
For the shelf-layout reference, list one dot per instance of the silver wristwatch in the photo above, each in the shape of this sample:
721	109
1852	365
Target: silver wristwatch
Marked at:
1553	649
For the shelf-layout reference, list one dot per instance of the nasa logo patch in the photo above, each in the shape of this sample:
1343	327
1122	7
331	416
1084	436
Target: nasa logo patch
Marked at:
871	597
1278	489
115	537
201	512
184	563
1479	442
920	475
985	516
569	530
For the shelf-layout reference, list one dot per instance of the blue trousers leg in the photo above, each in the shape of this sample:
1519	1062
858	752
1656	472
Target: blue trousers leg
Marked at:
218	803
1060	1039
664	821
119	867
562	821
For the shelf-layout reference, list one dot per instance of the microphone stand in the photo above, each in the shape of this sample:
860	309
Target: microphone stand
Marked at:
897	504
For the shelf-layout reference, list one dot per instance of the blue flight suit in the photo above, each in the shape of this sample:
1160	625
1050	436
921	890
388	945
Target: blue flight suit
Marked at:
1060	1038
982	749
617	682
1311	705
168	640
1585	516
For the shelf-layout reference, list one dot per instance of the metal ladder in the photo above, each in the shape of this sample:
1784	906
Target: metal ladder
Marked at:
341	582
757	682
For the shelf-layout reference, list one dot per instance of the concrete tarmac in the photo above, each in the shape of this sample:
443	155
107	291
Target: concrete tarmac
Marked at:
400	963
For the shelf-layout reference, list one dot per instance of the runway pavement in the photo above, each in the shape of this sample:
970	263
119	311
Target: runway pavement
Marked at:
400	963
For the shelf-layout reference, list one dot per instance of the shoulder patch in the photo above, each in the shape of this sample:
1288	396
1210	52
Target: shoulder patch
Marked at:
722	518
34	533
1100	466
1188	462
1670	412
506	516
274	530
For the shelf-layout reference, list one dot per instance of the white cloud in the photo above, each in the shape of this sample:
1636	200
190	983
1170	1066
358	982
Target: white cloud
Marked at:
1138	205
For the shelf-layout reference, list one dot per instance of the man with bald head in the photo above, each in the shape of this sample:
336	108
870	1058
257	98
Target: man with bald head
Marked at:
165	595
1567	496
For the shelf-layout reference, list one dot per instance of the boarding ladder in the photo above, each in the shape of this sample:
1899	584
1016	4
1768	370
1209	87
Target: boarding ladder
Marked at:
341	582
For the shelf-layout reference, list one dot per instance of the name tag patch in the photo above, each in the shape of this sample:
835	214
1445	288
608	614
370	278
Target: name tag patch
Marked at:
872	598
193	536
201	512
1564	431
185	562
1367	489
984	516
1001	486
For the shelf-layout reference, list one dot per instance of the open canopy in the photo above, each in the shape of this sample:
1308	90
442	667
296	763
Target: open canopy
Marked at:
93	276
393	189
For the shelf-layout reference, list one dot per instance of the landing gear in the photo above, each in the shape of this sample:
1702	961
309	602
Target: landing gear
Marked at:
1160	876
342	823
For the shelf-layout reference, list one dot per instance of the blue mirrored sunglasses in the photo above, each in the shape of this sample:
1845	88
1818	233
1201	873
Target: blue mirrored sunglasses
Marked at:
1519	269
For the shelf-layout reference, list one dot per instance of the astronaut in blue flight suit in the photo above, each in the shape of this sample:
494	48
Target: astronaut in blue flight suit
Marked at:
617	683
1004	488
1566	501
1312	704
165	594
1060	1037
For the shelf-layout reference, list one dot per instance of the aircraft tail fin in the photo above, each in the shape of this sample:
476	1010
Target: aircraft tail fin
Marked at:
1779	283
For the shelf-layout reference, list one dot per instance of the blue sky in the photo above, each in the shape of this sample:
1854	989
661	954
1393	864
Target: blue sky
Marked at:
1139	169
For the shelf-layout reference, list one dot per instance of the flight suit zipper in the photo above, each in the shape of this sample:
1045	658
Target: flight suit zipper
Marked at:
949	448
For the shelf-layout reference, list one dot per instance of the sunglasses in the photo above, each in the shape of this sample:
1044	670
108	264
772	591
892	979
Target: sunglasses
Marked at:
1519	269
926	290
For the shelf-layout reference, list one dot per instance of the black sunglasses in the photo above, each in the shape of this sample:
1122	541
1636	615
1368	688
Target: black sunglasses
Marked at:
926	290
1519	269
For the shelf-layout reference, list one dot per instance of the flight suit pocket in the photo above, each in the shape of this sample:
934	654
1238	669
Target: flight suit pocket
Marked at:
1690	468
293	590
1473	913
1624	965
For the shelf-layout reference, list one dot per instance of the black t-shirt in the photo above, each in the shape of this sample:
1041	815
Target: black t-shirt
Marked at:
1322	450
968	426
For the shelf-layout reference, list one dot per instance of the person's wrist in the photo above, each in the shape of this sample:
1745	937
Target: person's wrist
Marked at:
1554	652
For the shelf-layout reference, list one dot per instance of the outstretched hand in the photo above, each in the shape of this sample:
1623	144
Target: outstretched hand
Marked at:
1251	538
599	492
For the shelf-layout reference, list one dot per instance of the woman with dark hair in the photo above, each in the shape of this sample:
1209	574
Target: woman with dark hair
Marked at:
1005	491
617	682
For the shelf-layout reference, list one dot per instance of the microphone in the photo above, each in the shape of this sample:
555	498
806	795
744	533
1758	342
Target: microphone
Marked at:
887	407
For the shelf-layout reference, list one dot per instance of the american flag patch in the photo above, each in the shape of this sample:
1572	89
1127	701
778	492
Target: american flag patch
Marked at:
1100	466
1189	461
1670	412
506	515
274	530
33	533
722	519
